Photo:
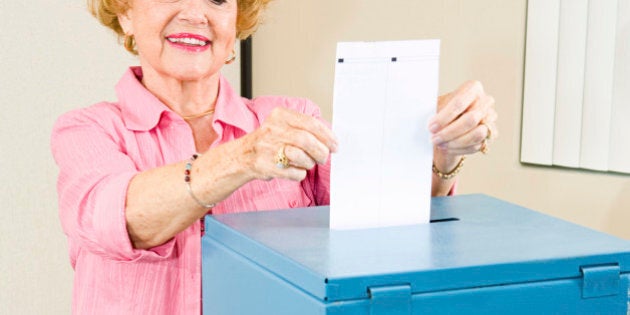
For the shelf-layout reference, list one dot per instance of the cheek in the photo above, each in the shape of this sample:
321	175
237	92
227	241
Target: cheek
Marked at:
227	24
150	23
227	35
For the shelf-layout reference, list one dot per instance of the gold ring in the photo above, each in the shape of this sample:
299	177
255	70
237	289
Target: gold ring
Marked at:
489	133
282	161
484	146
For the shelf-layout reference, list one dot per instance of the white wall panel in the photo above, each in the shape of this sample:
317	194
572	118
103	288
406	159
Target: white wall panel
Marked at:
540	81
598	81
570	82
576	102
619	157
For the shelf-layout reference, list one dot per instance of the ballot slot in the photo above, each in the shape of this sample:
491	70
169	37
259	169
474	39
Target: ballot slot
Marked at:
443	220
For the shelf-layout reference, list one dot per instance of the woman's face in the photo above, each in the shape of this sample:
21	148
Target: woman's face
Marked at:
183	39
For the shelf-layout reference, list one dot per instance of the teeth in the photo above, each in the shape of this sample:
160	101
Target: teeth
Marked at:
188	41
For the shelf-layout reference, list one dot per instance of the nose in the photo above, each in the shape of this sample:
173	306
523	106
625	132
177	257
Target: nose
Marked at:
192	11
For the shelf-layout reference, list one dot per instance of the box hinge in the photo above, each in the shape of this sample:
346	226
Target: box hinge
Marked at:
390	300
599	281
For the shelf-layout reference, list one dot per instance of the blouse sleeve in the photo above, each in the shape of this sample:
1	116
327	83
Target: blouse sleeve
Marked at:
94	173
319	182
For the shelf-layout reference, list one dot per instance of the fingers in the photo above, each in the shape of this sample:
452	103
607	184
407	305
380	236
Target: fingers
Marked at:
308	144
465	122
455	104
491	121
298	158
310	125
296	174
468	143
304	140
303	132
298	164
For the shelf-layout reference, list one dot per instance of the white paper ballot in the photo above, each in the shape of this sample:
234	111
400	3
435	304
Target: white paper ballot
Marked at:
385	93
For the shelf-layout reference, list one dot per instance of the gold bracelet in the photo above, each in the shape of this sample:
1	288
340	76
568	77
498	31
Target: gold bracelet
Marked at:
452	173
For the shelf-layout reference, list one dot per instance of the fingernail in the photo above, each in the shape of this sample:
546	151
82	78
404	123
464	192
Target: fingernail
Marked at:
434	127
333	147
437	140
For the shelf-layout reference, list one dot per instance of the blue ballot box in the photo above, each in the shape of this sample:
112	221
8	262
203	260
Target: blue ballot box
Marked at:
480	255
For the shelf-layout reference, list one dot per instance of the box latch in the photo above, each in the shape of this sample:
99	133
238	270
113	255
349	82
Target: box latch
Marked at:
599	281
390	300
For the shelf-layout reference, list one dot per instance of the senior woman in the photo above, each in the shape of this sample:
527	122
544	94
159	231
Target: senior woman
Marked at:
132	188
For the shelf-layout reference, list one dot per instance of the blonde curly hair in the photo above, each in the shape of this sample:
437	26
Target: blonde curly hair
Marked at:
106	12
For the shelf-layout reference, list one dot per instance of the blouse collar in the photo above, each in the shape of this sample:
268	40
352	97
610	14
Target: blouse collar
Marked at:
142	111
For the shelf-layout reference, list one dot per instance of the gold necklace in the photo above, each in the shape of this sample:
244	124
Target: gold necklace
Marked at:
193	116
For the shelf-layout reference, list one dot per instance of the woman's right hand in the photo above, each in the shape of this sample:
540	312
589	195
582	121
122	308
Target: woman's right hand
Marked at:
305	140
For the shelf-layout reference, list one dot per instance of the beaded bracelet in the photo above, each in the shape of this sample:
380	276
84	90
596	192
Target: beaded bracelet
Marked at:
187	180
452	173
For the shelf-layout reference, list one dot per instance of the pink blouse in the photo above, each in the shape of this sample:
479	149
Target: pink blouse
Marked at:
100	148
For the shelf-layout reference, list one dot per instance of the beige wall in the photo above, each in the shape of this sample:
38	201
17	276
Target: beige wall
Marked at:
55	58
483	39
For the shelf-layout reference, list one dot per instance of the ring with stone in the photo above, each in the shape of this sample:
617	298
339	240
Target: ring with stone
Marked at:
282	161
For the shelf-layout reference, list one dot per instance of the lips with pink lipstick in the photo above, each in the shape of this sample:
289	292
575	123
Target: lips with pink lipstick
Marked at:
188	42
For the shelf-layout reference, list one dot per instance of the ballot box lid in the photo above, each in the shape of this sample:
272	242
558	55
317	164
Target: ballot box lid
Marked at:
474	241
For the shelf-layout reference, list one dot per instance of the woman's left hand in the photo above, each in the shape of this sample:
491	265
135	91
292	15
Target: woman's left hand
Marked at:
465	123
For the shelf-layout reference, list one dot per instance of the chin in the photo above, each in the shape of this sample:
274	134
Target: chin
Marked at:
192	74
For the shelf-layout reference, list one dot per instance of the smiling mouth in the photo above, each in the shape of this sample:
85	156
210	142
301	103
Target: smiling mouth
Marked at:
188	41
